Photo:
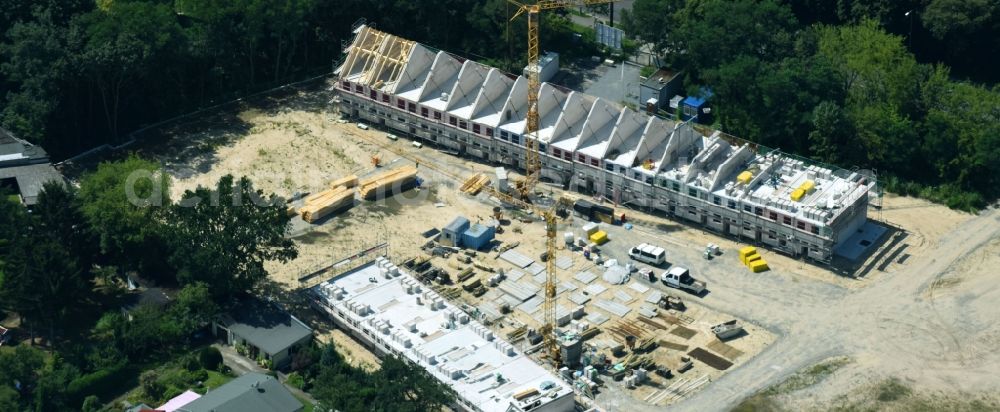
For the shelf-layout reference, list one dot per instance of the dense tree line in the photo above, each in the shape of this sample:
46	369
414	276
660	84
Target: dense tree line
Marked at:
338	385
62	267
78	73
829	80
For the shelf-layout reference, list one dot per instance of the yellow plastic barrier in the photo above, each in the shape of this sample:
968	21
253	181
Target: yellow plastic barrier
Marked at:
758	266
747	251
808	186
797	194
599	237
744	177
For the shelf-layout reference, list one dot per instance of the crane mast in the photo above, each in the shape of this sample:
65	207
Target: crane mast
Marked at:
533	163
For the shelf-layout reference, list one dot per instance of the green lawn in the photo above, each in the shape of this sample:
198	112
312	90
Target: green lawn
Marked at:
216	379
308	405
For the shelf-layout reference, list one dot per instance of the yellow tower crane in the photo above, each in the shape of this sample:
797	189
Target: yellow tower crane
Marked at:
533	164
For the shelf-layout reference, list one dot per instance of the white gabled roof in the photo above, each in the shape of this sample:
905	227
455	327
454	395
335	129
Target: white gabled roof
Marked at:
626	137
515	110
569	127
550	105
578	123
597	129
491	99
467	87
441	79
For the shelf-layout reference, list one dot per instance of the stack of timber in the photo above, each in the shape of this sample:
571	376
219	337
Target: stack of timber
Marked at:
384	183
328	201
475	184
346	181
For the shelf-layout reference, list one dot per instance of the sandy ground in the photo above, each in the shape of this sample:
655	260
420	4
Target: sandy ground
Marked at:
926	314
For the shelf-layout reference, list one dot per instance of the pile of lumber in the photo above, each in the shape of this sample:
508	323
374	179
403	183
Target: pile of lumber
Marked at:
475	184
346	181
318	205
384	183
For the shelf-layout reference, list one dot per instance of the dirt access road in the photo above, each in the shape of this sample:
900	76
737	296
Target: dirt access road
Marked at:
932	323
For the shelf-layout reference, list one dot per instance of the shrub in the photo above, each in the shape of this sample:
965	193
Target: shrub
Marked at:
295	380
172	392
210	358
151	385
91	404
192	362
100	382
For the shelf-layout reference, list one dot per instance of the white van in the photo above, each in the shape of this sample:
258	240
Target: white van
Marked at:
391	136
362	126
654	255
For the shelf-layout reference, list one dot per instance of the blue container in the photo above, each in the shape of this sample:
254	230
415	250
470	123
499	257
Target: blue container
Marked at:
477	236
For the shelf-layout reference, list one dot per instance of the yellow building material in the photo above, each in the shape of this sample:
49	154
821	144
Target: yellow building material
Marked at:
474	184
797	194
808	186
327	202
758	266
599	237
747	251
346	181
752	258
383	183
744	177
291	211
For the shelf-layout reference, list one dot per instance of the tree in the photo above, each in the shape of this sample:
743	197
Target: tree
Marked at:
149	381
711	32
210	358
42	281
91	404
223	236
404	387
58	214
36	60
651	21
832	133
22	365
194	306
123	201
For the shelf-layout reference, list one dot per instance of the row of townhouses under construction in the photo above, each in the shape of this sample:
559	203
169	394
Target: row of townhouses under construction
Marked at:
595	146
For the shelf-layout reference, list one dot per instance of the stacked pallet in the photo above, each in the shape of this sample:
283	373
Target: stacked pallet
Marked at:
384	183
328	201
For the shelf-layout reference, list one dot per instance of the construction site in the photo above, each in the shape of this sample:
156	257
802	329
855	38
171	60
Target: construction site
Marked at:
535	248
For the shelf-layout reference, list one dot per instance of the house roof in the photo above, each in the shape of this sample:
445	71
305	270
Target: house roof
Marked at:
14	151
265	326
31	179
179	401
660	79
252	392
458	225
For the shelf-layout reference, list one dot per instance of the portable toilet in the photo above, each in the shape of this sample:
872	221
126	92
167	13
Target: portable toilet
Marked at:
451	235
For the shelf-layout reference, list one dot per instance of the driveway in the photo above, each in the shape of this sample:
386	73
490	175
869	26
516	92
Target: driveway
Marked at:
238	363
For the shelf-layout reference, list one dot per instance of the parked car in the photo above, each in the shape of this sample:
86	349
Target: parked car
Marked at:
680	278
362	126
646	253
391	136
